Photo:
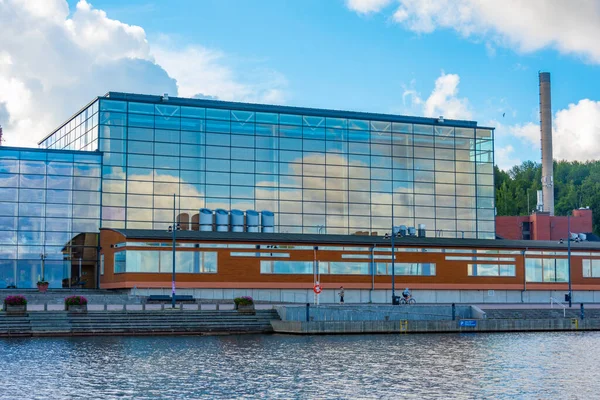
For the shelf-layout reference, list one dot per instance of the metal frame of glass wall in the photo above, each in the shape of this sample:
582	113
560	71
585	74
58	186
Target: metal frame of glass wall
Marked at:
49	201
313	168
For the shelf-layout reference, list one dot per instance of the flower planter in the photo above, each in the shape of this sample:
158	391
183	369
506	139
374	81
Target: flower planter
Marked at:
15	310
43	287
246	309
77	309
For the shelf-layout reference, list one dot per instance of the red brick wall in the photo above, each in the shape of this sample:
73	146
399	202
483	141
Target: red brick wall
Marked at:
510	227
543	226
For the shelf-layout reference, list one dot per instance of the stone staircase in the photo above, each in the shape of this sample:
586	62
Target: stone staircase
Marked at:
52	323
540	313
14	325
49	323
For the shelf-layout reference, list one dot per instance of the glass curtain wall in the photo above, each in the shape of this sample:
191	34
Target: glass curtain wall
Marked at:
316	173
79	133
47	199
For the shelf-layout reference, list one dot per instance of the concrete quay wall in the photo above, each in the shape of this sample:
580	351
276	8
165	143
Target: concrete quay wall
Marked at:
373	312
415	326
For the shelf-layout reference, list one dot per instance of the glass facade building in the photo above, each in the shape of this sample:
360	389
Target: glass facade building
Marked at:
49	216
317	170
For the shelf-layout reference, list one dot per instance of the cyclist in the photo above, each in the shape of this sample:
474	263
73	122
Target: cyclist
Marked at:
406	294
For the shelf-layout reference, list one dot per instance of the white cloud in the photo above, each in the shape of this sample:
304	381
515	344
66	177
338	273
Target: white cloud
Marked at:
443	100
505	157
367	6
526	25
54	60
529	132
575	133
200	70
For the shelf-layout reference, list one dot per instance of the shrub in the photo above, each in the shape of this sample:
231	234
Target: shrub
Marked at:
243	301
16	300
75	301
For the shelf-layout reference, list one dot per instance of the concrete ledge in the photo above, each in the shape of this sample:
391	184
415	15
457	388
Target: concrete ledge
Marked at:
498	325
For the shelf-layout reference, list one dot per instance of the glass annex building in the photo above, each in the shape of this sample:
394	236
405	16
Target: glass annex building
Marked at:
318	171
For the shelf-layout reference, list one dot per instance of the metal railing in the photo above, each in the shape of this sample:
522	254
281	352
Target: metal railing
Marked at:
553	300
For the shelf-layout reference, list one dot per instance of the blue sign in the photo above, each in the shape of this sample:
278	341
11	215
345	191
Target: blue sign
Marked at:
468	322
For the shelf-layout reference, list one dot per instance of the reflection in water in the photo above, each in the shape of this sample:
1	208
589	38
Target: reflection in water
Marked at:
531	365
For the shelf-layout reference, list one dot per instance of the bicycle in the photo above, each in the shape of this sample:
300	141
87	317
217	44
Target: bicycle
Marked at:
408	300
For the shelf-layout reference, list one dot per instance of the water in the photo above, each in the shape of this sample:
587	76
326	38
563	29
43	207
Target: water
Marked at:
515	365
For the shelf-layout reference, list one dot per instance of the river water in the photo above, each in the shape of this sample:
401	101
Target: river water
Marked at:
513	365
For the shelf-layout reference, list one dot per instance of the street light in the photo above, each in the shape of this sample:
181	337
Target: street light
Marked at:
173	228
391	236
569	255
43	258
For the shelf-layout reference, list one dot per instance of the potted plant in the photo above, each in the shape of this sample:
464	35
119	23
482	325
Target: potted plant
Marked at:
16	304
76	304
42	285
244	305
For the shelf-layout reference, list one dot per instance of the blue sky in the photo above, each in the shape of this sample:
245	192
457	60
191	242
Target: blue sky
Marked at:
462	59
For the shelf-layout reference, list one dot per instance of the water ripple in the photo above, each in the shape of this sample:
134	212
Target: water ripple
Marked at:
462	366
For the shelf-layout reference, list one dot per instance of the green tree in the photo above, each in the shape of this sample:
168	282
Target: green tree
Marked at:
576	184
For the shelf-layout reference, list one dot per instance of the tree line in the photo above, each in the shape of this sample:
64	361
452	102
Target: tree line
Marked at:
576	184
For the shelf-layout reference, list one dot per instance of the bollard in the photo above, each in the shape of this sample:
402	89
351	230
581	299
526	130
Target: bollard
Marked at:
582	311
453	312
45	306
307	312
180	306
162	307
217	307
143	306
199	306
124	307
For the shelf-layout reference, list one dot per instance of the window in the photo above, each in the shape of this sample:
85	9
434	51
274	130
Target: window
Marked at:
154	261
286	267
120	259
421	269
591	268
546	270
491	270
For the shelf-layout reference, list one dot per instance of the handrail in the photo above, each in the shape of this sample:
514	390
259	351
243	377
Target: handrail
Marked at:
553	300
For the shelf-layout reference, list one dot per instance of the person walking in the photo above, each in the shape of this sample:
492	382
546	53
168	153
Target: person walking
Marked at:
341	294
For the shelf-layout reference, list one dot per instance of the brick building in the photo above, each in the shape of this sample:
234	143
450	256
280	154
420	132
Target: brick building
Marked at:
543	226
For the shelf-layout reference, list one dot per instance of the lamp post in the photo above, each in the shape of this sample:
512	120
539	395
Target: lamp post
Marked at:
393	263
173	228
392	234
569	256
43	258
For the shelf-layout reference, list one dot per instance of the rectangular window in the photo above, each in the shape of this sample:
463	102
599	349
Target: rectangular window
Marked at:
120	261
478	258
547	270
286	267
491	270
249	254
421	269
591	268
153	261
